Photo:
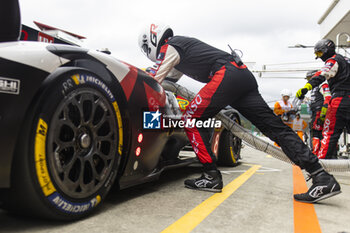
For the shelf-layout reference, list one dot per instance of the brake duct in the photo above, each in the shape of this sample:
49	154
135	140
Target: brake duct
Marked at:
253	141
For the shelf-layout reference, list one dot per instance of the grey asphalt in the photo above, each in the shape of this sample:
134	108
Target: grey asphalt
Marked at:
262	204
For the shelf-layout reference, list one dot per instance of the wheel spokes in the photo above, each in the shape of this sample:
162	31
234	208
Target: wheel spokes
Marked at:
84	142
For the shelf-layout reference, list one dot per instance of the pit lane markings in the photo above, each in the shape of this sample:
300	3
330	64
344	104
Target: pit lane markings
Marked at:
262	169
193	218
305	218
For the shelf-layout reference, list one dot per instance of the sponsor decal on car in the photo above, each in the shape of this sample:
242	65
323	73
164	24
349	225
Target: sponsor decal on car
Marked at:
9	85
183	103
42	37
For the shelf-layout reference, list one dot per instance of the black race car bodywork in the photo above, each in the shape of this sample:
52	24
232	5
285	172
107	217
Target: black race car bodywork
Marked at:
71	123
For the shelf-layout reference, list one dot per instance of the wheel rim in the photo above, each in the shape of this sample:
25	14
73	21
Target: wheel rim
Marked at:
82	143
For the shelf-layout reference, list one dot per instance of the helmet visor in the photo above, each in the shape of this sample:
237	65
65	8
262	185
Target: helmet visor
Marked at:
318	54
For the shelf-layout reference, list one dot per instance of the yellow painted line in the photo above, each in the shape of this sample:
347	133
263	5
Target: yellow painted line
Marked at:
193	218
305	218
268	156
248	164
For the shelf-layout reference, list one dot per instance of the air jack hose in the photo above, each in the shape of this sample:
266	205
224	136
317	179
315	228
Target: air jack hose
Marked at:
254	141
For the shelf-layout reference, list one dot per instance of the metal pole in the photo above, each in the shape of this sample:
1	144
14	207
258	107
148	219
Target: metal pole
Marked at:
338	37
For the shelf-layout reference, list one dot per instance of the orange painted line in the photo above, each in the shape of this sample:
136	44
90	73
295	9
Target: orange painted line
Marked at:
305	218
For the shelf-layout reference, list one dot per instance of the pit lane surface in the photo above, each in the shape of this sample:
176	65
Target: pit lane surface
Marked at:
257	198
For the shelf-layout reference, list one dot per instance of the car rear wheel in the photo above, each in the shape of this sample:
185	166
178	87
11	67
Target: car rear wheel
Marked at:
69	156
229	148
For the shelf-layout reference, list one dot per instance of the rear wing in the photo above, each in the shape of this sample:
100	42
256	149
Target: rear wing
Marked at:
50	35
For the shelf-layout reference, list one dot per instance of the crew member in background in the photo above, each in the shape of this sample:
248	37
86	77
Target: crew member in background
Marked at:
283	106
320	97
337	72
228	82
299	126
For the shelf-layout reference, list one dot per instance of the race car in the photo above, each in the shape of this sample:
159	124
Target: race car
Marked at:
75	121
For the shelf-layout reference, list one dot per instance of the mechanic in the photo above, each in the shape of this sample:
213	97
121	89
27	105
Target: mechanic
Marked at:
10	20
228	82
283	106
320	97
299	126
337	73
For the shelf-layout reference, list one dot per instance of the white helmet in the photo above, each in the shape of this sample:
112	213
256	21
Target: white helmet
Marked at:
286	92
152	38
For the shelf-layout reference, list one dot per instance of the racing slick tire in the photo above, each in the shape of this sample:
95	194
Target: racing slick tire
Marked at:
67	158
229	148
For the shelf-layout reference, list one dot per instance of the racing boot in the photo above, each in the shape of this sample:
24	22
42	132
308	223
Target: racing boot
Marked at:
210	181
323	186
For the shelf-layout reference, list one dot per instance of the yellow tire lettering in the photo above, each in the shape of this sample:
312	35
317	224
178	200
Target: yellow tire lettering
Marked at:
120	126
232	156
40	159
98	200
76	79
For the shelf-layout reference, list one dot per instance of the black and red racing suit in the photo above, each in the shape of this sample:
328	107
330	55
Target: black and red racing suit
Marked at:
227	83
337	72
320	96
10	20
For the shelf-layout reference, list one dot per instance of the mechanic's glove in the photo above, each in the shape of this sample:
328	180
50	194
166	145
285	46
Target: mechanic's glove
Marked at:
302	91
